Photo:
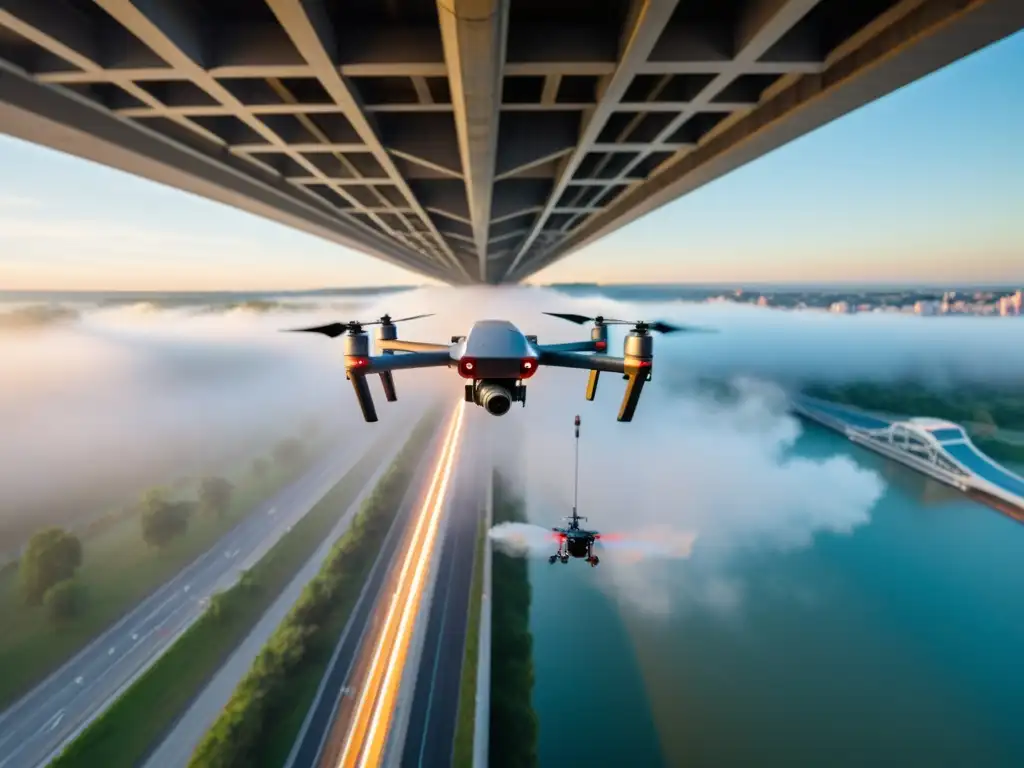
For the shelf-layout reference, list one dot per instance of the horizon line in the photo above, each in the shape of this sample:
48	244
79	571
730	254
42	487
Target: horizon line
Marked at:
730	285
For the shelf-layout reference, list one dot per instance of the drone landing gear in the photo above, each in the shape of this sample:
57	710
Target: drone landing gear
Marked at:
593	560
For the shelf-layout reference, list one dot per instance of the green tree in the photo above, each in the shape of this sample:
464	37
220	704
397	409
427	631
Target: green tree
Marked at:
65	600
163	520
215	496
52	555
289	453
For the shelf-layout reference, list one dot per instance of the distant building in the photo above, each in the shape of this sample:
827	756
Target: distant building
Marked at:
1010	306
926	308
841	308
762	301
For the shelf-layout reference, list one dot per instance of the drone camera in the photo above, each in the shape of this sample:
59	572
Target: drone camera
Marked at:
496	396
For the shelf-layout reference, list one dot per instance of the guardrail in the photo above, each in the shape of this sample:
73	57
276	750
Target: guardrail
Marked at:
826	420
482	718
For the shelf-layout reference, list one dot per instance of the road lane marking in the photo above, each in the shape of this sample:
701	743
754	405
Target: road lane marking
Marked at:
164	599
374	696
353	743
385	708
54	721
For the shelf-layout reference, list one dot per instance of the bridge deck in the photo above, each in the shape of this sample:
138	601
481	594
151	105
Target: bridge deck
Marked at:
468	140
964	453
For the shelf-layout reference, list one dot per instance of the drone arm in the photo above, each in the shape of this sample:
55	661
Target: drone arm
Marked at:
558	359
572	346
382	363
397	345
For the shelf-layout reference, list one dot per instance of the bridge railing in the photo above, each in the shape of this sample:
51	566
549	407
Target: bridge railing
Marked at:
825	419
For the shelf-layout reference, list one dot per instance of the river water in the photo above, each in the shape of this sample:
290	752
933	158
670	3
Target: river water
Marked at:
900	644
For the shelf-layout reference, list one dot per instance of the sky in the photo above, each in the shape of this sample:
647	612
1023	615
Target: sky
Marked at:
924	185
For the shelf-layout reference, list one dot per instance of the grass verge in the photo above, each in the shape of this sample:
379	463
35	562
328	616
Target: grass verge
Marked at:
513	728
465	728
124	734
118	572
265	713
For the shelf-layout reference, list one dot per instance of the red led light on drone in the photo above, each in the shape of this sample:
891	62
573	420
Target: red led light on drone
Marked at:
467	367
600	346
357	362
527	367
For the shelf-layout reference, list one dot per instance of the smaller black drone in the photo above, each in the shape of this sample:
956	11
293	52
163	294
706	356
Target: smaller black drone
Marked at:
574	541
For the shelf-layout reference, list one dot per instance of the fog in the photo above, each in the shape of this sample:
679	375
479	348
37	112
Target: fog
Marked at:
694	478
99	406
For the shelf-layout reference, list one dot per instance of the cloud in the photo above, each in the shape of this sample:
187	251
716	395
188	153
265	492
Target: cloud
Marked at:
691	478
125	398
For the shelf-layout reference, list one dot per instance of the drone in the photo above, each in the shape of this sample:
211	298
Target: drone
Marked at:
496	358
574	541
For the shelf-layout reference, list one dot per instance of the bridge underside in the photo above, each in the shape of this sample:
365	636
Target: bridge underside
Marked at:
466	140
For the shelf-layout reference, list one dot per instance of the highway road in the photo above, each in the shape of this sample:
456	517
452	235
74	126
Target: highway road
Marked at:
35	728
339	678
177	747
430	732
353	730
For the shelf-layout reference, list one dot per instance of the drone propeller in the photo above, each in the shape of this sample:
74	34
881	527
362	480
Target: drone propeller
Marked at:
641	326
581	319
386	319
333	329
353	326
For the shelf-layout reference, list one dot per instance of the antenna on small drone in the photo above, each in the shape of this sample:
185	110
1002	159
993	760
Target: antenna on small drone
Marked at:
576	478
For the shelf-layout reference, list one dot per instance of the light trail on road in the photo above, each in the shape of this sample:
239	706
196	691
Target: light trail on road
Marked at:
368	735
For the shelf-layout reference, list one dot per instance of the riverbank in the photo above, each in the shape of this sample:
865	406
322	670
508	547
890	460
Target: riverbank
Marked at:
513	725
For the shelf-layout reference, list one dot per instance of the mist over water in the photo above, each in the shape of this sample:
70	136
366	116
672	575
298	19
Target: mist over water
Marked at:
693	477
117	396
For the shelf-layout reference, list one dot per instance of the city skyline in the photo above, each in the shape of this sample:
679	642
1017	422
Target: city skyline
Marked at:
920	186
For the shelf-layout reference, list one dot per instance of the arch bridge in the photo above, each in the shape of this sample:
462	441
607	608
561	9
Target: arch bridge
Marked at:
943	450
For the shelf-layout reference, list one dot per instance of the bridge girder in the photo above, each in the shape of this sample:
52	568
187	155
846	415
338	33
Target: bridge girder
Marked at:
466	140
